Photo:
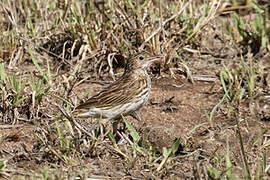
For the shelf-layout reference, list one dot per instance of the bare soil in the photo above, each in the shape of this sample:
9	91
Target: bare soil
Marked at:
176	108
38	142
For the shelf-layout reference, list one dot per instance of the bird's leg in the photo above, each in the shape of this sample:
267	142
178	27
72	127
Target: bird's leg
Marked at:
115	130
135	115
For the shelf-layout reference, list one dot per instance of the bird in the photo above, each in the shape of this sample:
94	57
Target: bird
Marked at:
124	96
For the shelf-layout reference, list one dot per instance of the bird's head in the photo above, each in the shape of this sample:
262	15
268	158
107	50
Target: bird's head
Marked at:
141	61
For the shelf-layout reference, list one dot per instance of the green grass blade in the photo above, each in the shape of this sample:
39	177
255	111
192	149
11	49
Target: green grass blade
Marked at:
228	161
223	76
175	147
37	65
132	130
2	72
214	110
49	74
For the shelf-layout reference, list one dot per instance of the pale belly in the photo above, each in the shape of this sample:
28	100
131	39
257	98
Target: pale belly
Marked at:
117	111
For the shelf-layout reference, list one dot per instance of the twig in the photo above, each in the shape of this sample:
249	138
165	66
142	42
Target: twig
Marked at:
163	24
74	122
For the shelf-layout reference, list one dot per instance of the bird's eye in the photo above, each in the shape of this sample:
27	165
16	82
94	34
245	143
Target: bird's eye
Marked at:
141	58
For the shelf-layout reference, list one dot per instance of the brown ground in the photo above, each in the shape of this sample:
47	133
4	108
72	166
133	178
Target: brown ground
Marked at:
175	107
38	142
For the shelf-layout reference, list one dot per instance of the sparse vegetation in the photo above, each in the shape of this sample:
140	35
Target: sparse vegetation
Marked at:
208	114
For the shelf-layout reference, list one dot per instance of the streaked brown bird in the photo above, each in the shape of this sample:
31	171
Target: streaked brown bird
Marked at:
125	95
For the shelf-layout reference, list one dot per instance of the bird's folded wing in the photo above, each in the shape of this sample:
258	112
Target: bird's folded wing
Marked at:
120	92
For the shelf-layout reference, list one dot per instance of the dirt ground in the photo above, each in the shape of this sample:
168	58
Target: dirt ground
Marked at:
195	124
176	108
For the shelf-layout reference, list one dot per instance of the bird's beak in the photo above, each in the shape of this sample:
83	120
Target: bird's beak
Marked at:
152	59
155	58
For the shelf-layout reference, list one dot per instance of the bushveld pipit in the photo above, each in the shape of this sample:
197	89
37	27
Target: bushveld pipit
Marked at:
125	95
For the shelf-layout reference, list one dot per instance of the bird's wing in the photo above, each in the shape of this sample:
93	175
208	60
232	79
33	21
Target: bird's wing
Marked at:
119	92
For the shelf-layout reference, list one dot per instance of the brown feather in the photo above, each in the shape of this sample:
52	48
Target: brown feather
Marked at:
127	94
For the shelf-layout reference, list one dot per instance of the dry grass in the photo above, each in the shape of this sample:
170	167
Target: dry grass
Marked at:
53	51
